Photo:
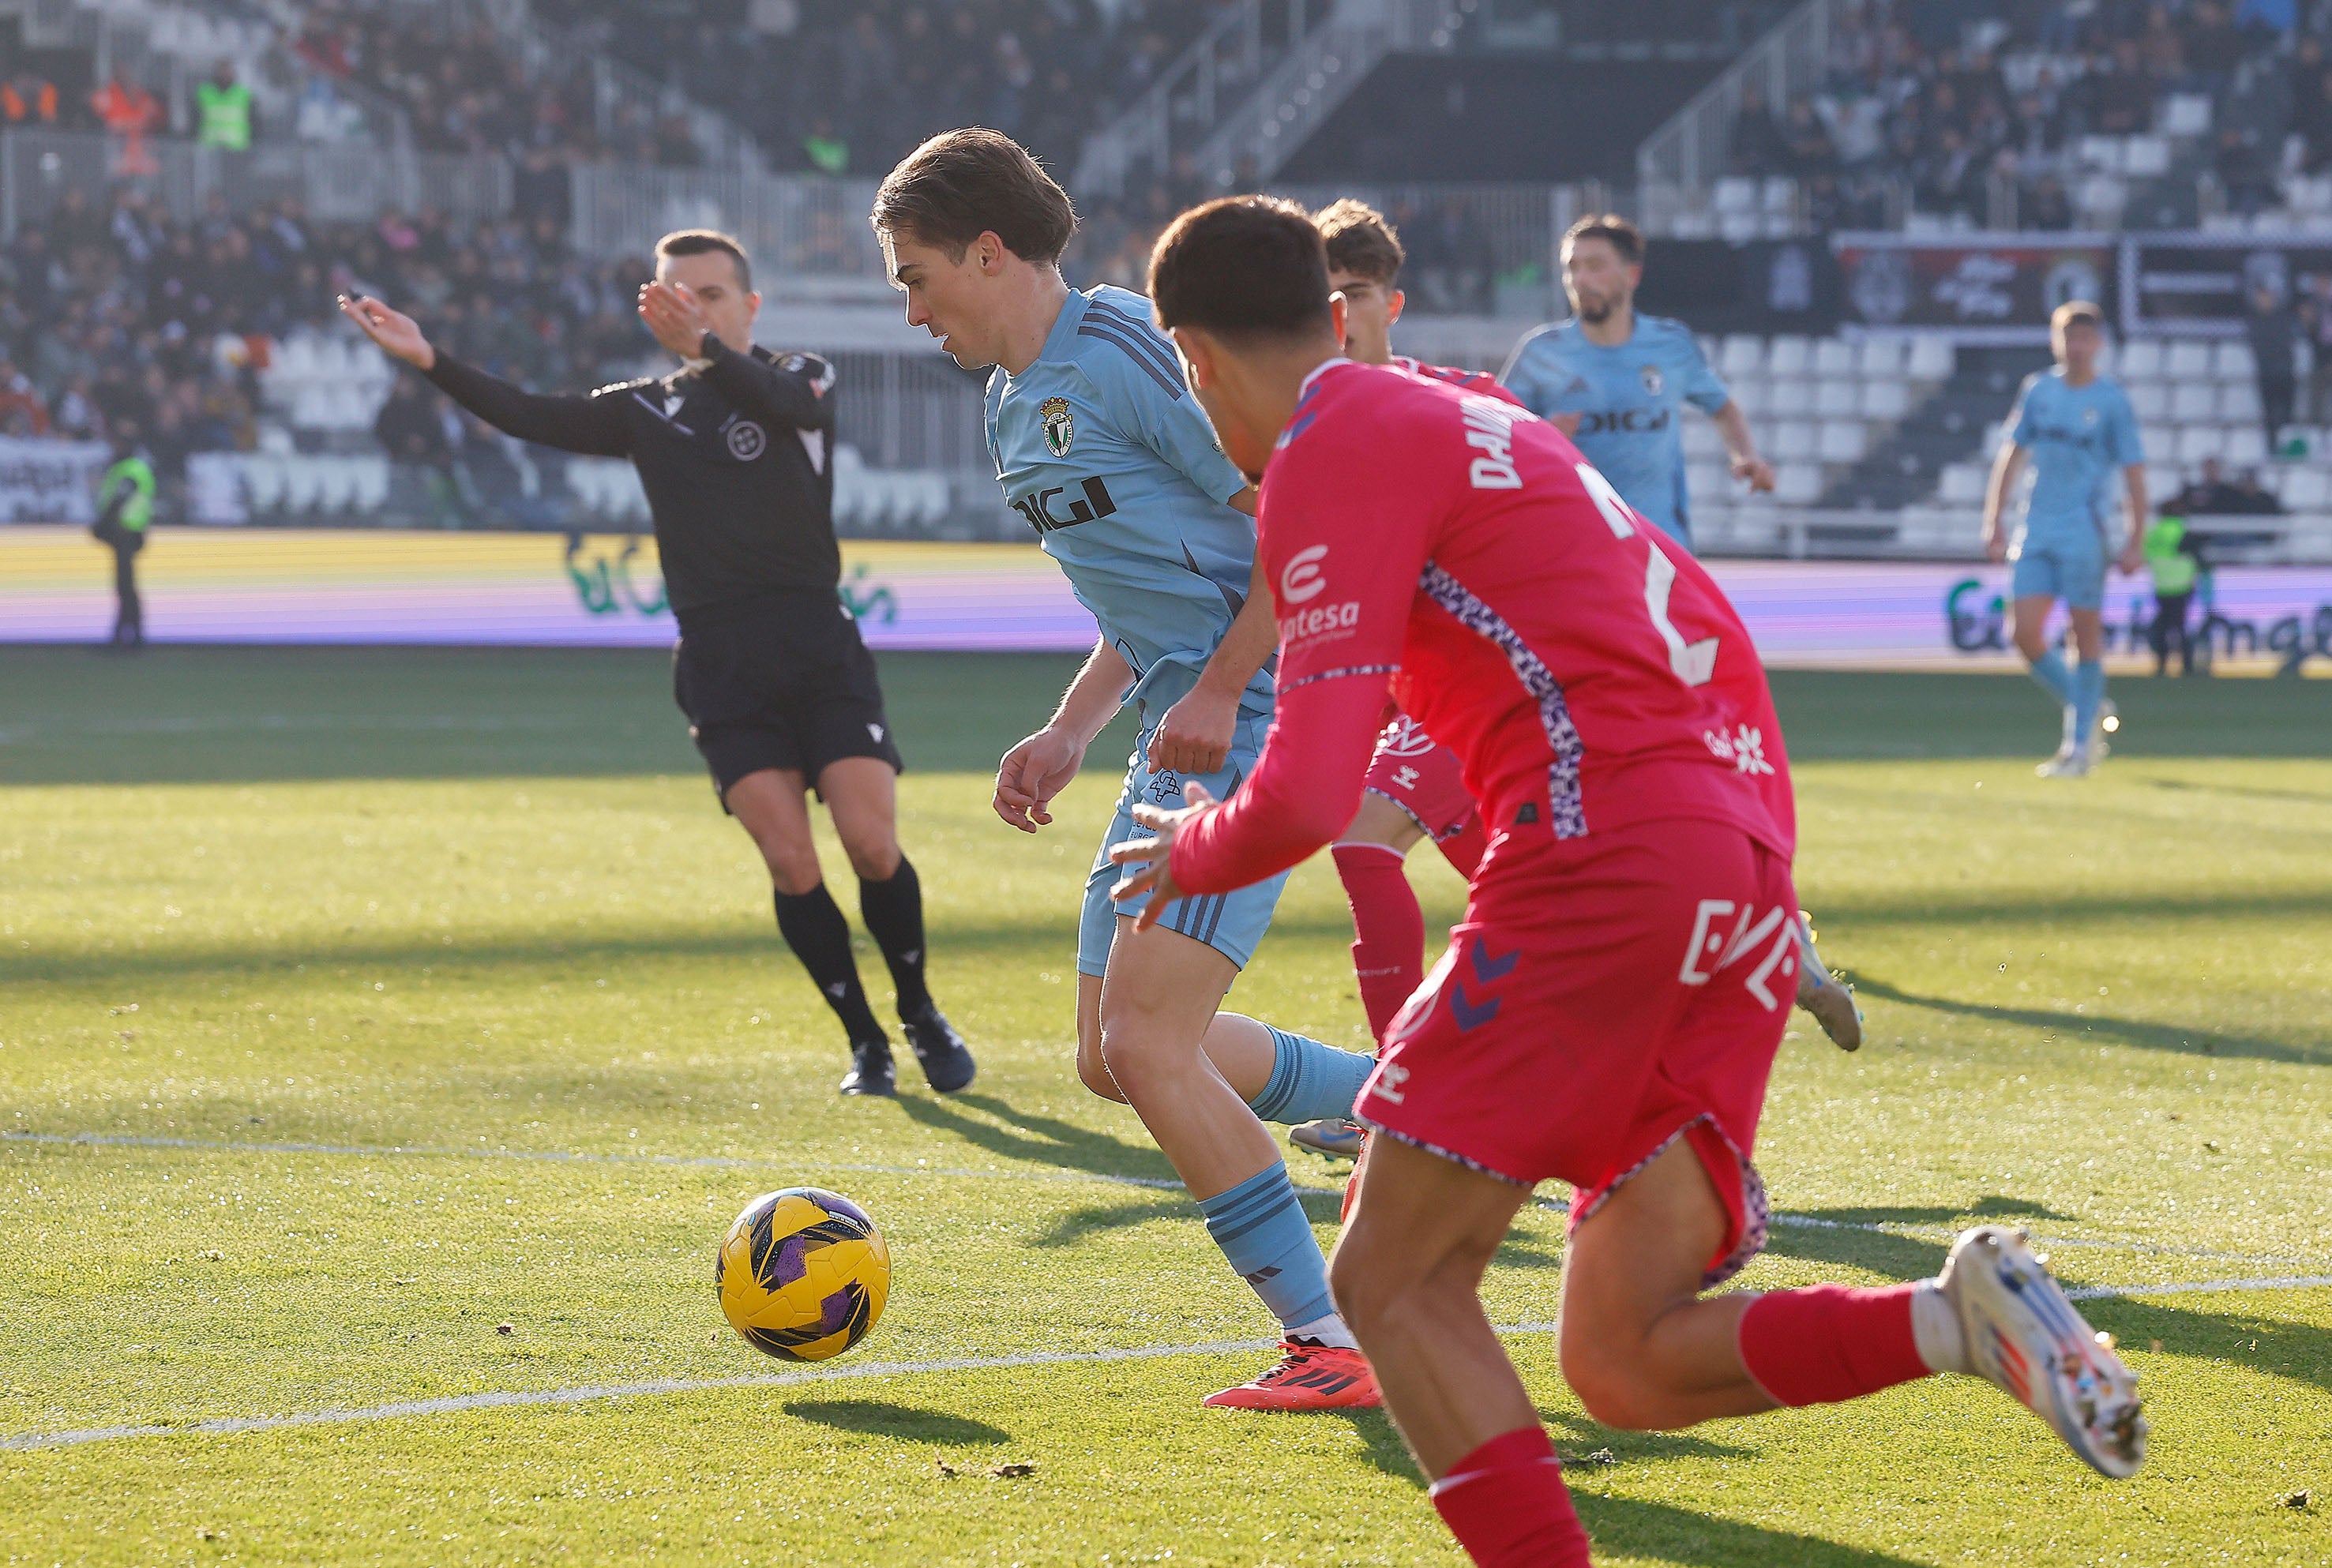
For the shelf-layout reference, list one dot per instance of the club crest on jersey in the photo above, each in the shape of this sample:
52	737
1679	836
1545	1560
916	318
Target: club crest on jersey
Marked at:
746	440
1060	428
1653	381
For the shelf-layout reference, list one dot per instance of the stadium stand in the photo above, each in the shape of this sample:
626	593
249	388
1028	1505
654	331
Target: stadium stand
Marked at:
500	167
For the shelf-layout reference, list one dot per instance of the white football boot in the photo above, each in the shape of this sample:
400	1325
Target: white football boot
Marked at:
2070	762
2023	1334
1824	995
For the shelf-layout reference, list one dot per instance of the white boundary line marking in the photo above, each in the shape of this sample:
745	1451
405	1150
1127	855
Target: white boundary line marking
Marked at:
1900	1230
221	1426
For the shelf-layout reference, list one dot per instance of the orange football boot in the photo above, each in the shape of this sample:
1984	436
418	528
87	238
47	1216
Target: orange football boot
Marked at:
1307	1377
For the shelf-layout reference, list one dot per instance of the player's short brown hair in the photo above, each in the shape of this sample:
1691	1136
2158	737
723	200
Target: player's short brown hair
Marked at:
2076	314
1617	231
962	184
1360	240
1241	267
703	241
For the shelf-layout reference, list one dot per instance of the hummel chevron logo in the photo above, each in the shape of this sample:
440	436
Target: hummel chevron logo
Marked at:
1467	1014
1269	1271
1489	969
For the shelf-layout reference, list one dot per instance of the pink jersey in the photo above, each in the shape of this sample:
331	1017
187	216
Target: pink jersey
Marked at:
1454	548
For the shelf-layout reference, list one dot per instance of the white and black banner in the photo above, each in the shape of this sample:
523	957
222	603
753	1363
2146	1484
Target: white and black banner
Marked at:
50	481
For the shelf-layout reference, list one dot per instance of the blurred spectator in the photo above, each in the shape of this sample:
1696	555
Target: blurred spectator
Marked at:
1756	143
2316	323
129	114
21	413
29	100
222	110
2274	330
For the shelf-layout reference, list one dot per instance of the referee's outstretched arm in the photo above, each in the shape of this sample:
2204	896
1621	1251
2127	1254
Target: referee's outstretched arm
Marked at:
591	426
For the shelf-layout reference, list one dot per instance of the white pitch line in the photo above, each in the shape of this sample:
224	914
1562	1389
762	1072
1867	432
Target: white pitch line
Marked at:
1154	1183
221	1426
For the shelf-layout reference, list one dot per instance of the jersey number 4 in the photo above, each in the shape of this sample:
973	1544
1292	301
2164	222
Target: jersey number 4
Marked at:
1694	664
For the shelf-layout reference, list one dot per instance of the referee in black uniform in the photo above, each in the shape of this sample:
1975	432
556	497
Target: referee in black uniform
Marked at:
735	450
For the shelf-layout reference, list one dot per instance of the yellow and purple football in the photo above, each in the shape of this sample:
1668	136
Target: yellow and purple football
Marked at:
803	1274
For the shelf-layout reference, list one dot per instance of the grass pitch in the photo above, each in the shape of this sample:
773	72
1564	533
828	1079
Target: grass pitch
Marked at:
398	996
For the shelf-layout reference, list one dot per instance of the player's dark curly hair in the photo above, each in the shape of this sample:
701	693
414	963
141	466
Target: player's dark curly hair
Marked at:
1242	267
962	184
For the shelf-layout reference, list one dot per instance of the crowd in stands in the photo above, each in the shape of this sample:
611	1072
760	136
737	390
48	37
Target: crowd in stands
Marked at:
1958	98
124	325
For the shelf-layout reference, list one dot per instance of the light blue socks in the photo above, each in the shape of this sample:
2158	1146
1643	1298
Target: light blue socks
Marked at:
2055	679
2089	691
1262	1230
1309	1080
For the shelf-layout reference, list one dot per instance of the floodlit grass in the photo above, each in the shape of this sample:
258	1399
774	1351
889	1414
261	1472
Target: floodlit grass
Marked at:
344	948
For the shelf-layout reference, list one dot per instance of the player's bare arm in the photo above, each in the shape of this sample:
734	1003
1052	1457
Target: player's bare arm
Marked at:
1195	735
2004	470
1041	766
1739	446
2132	550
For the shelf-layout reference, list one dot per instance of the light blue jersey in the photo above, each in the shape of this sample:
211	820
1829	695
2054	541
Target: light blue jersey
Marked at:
1630	399
2079	439
1105	452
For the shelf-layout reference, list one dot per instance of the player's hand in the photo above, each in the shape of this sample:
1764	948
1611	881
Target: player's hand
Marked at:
1995	544
1149	862
1032	773
1756	472
1566	422
676	315
397	333
1195	735
2133	558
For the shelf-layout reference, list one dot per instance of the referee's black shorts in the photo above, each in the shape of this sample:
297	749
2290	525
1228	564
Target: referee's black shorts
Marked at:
779	682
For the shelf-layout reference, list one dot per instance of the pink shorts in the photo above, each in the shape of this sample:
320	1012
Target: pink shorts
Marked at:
1603	998
1423	777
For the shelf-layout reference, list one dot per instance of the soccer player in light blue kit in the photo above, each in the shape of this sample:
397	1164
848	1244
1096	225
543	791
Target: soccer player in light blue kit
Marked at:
1104	452
1617	382
2078	427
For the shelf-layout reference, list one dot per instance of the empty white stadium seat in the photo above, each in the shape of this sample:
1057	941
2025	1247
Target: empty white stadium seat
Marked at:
1702	441
2140	359
2186	361
1886	398
1880	357
302	483
2162	480
2197	441
1793	441
2149	400
2234	362
2307	488
1838	400
1743	355
1708	479
1962	484
1797	484
1788	396
2099	152
263	481
2145	157
2239	402
2246	447
1733	195
2101	199
2186	114
1833	356
2160	440
1842	441
2193	403
1789	354
1780	196
1932	359
371	477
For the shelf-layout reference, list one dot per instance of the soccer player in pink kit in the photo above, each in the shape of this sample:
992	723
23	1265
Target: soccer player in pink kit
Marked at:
1608	1011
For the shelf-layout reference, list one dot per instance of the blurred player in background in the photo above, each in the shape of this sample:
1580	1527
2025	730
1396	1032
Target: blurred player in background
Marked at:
1608	1011
735	451
1615	382
2076	426
1101	448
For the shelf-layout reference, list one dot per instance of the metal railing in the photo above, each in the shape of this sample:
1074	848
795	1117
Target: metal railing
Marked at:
1181	108
337	182
1313	79
1689	152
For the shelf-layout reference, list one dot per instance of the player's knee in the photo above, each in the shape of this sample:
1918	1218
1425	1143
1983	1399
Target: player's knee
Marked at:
2030	644
1095	1074
793	869
1616	1389
874	857
1130	1057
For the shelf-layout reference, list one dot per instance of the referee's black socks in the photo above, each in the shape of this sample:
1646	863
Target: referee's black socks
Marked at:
893	913
813	926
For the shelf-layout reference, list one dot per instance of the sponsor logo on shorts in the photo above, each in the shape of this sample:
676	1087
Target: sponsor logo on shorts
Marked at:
1715	948
1390	1078
1404	776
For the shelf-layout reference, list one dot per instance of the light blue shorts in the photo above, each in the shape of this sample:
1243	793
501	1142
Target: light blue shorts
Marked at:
1232	923
2066	565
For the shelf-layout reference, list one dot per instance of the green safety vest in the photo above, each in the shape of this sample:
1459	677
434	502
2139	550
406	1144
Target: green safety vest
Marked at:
138	511
2171	569
223	115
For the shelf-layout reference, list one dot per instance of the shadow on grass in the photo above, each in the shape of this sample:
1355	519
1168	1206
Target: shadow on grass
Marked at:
905	1422
2246	791
1636	1527
2103	1028
1039	1139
